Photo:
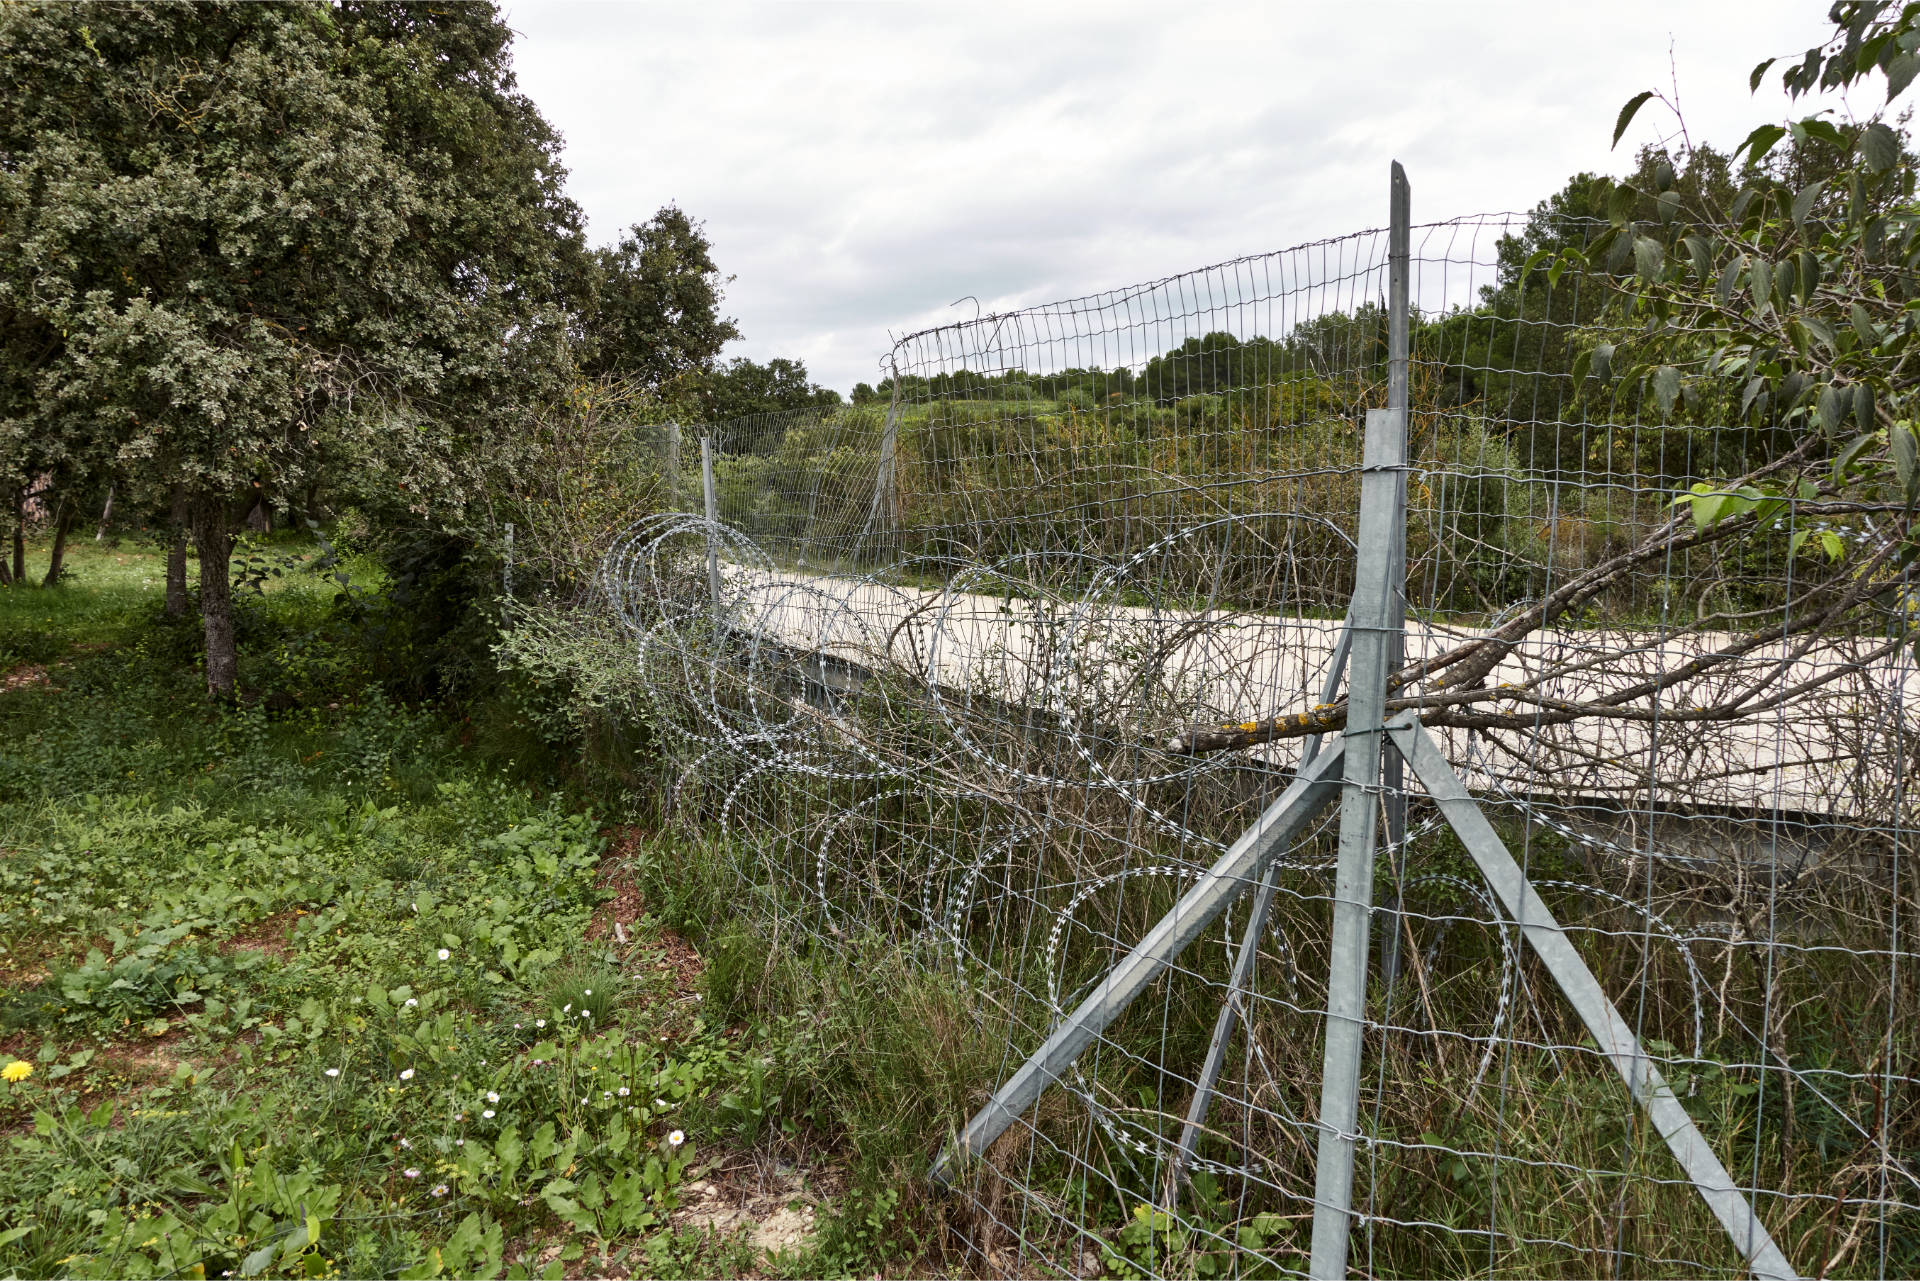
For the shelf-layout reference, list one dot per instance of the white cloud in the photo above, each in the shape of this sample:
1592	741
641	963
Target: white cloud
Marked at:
861	166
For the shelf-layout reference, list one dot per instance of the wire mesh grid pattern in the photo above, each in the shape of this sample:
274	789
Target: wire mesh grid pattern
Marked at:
999	673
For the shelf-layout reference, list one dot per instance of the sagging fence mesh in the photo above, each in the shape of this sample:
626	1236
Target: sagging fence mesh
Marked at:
993	673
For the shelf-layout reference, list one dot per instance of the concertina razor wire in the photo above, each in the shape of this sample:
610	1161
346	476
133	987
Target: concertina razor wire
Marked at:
990	673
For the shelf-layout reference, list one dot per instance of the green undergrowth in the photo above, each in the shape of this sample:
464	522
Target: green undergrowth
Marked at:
893	1048
307	985
322	984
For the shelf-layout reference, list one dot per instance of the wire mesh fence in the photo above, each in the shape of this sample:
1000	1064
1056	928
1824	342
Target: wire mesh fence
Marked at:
1000	672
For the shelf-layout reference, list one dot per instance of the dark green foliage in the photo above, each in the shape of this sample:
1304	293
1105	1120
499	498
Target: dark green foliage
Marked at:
652	311
743	387
254	250
308	968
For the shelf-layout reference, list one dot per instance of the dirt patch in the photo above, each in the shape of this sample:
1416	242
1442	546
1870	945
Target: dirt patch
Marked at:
776	1203
26	677
24	976
21	1044
618	917
121	1071
676	957
143	1062
268	936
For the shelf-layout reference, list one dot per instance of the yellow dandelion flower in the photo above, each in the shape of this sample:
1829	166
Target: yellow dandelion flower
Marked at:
18	1070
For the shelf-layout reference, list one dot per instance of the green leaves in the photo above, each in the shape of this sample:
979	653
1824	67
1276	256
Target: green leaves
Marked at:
1833	408
1648	257
1906	464
1879	146
1803	201
1620	203
1900	73
1628	112
1729	279
1711	505
1863	326
1828	542
1760	284
1666	387
1700	256
1596	362
1759	142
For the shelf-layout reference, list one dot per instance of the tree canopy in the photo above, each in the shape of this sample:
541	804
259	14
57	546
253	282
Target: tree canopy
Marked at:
652	309
743	386
1789	303
244	247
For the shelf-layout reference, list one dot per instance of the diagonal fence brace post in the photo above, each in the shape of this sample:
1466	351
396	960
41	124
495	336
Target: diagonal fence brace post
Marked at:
1231	875
1589	1000
1243	962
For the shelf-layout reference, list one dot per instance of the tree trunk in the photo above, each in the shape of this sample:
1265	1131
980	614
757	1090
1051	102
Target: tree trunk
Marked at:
177	559
62	522
214	541
106	515
19	536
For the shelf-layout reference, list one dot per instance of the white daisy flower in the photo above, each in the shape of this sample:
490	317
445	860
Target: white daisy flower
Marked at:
443	954
440	1189
411	1172
487	1115
493	1096
407	1075
676	1138
333	1071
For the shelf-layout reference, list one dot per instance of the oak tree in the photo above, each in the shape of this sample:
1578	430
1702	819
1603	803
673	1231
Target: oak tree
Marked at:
251	249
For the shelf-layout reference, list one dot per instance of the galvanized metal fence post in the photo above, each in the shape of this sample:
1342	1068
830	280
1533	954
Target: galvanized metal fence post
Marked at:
1377	627
883	517
673	466
1399	360
713	524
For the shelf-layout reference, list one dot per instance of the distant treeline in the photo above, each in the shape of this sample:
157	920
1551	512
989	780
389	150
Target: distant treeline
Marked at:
1215	364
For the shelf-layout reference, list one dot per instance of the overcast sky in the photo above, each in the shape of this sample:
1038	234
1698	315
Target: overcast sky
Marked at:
859	167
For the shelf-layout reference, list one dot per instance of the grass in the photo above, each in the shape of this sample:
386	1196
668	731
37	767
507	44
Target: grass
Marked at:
313	986
326	984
